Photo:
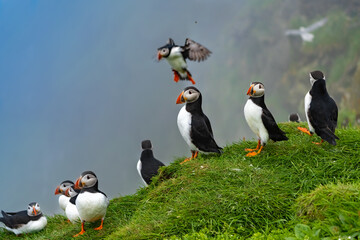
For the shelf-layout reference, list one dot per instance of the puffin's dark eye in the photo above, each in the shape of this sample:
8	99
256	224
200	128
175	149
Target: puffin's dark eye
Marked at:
87	177
190	92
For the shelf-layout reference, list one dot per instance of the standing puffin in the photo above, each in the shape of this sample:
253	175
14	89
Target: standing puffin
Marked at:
26	221
177	55
61	189
194	125
147	165
320	110
91	203
260	119
71	211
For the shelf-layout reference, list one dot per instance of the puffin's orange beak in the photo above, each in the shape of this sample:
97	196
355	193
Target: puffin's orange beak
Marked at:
57	190
251	90
67	192
159	56
78	184
180	98
35	212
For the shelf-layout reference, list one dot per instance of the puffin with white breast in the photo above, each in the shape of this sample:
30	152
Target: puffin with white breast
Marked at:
194	125
27	221
177	55
61	189
71	211
260	119
91	203
148	165
320	110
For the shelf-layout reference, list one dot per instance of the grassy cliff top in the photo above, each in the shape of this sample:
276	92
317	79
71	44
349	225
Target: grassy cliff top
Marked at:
292	189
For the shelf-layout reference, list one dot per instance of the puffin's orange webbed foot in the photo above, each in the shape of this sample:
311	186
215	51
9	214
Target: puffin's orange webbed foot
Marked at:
252	154
101	225
190	78
304	130
176	76
318	143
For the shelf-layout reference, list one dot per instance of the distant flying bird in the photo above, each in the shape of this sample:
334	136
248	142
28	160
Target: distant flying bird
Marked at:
177	55
30	220
305	32
91	203
320	110
294	117
194	125
260	119
61	189
148	165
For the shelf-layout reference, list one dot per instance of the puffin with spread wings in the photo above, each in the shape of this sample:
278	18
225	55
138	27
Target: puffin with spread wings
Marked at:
177	55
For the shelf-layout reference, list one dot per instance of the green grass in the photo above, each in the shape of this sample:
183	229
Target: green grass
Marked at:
292	189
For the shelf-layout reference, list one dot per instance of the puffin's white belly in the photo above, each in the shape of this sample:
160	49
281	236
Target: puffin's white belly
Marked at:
177	62
139	166
91	206
63	201
31	226
253	114
184	125
307	102
72	213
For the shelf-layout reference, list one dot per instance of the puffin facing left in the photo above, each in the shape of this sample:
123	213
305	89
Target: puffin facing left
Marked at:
194	125
260	119
27	221
61	189
91	203
177	55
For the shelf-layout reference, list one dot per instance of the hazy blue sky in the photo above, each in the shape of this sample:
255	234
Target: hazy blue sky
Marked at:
80	88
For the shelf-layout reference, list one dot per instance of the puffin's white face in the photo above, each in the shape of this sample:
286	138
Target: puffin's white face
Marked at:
71	192
256	89
318	75
33	209
88	180
61	189
189	95
312	80
163	52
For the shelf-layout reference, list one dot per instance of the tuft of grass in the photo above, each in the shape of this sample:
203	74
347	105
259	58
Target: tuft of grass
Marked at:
231	196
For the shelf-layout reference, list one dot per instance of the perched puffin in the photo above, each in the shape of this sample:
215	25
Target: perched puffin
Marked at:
71	211
194	125
91	203
26	221
294	117
320	110
260	119
61	189
177	55
147	165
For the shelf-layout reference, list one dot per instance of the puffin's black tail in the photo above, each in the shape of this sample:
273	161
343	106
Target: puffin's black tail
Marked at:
279	136
327	135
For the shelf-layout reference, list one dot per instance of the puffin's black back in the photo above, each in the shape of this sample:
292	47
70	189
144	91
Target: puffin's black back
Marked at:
149	165
275	133
323	112
16	220
201	132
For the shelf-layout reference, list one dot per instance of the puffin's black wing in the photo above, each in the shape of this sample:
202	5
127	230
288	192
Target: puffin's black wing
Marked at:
275	133
208	124
150	169
195	51
16	219
201	134
322	115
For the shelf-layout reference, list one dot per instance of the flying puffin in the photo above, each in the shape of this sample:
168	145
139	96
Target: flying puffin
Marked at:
260	119
61	189
71	211
294	117
177	55
320	110
147	165
91	203
194	125
26	221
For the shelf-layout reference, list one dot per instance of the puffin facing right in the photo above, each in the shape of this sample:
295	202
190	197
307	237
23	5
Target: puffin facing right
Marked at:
320	110
194	125
260	119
